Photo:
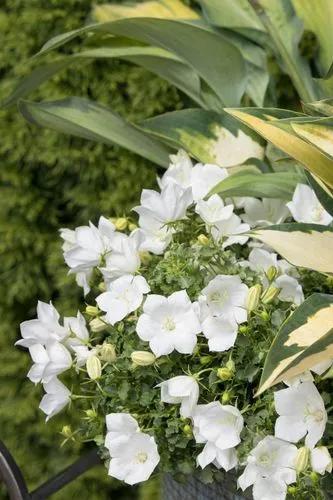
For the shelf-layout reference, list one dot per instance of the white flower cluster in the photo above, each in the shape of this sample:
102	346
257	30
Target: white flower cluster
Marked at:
173	323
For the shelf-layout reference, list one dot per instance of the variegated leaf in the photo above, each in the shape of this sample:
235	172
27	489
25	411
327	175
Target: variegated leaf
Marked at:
209	136
304	245
303	341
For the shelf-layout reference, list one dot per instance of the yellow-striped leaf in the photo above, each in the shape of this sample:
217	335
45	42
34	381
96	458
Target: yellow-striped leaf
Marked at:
304	245
303	341
280	133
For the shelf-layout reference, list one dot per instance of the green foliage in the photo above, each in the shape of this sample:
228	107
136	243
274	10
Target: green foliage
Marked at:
49	181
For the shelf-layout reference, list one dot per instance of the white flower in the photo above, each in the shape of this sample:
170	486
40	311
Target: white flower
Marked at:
261	260
156	235
46	328
169	323
305	207
264	212
56	398
119	425
291	290
204	178
168	206
270	468
321	460
211	454
134	456
302	413
201	178
124	296
183	390
213	210
123	257
84	247
220	332
179	171
48	361
226	295
77	328
219	427
231	230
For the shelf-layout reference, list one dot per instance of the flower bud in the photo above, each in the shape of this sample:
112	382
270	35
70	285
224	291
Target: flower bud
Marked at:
264	315
270	294
132	226
102	286
121	223
97	325
225	374
92	310
143	358
302	459
107	353
187	429
202	239
243	329
253	297
314	477
205	360
272	273
66	431
226	397
91	414
230	365
292	490
94	367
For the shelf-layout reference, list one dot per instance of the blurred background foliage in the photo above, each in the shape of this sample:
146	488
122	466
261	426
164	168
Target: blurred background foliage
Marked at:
49	181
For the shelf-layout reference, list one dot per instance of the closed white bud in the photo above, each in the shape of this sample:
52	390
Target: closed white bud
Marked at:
143	358
92	310
270	294
94	367
97	325
302	459
253	297
107	353
272	273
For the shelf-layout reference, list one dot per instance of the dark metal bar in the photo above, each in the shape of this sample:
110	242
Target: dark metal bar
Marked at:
75	470
11	475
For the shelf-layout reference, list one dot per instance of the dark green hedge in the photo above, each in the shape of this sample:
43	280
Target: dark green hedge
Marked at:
48	181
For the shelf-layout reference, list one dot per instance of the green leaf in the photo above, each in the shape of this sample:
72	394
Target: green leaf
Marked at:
324	194
270	185
208	136
231	14
213	57
318	17
303	245
285	30
278	127
321	108
304	340
84	118
154	59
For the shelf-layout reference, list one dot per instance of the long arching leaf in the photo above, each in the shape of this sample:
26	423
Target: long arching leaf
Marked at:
304	245
213	57
87	119
209	136
303	341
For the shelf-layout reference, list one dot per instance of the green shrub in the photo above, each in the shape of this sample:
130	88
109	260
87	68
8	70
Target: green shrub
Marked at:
49	181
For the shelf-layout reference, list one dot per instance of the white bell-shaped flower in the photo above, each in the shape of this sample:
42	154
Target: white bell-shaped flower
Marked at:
301	413
291	289
124	296
264	212
49	361
56	398
183	390
305	207
230	231
169	323
213	210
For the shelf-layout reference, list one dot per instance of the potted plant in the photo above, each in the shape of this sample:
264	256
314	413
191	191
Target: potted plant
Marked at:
164	360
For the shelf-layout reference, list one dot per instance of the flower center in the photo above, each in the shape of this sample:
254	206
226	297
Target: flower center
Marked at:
219	298
141	457
169	324
264	460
